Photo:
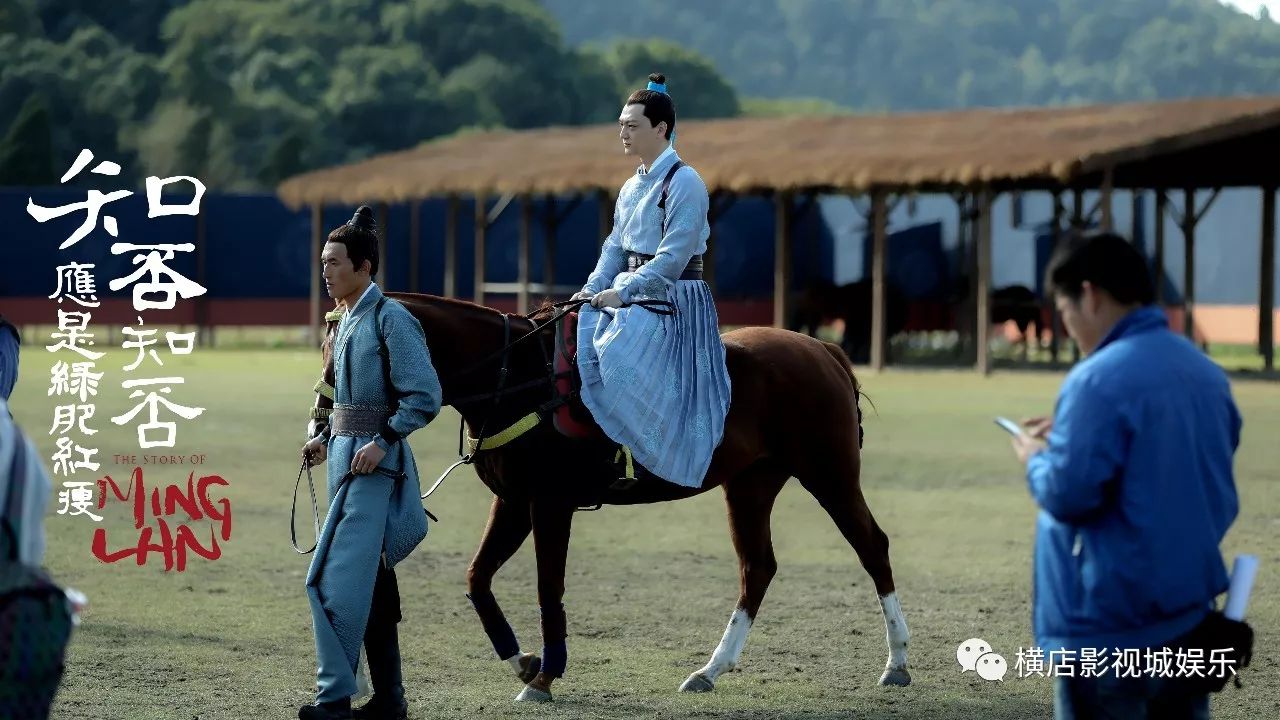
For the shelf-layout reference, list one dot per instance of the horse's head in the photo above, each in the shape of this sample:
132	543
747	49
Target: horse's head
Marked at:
324	388
462	338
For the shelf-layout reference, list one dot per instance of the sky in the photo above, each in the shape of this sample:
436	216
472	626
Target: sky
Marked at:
1254	6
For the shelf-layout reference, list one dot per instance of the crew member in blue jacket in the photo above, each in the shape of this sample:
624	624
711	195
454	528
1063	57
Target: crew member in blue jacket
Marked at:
1133	477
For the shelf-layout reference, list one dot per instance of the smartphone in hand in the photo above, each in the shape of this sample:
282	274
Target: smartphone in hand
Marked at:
1009	426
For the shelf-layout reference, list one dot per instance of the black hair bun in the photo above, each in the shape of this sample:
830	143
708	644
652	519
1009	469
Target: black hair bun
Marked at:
363	219
658	78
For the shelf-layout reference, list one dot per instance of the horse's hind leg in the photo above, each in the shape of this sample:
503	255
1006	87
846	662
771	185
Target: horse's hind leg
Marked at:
837	490
750	498
508	527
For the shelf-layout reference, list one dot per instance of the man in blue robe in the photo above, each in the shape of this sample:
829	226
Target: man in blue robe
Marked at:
655	383
385	387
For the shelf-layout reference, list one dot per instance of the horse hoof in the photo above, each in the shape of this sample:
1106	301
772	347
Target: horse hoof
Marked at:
896	676
698	683
530	666
532	694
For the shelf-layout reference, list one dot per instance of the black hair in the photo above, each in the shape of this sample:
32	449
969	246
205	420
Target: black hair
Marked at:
360	235
658	106
1104	260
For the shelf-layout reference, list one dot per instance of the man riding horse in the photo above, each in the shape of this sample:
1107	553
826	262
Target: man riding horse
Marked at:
655	383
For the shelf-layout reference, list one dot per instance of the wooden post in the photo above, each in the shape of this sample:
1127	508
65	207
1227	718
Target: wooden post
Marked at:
415	246
317	247
781	258
204	331
1189	263
1079	222
1266	280
879	251
1108	223
604	209
1055	334
983	317
522	266
1162	204
709	257
451	246
384	250
481	224
968	249
549	225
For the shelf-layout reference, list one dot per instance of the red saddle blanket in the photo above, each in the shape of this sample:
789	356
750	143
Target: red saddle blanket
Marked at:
572	419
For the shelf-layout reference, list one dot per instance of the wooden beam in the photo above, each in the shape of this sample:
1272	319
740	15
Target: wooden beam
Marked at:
1189	263
415	246
384	251
781	259
1162	204
1266	280
879	251
522	262
983	317
451	247
481	225
317	247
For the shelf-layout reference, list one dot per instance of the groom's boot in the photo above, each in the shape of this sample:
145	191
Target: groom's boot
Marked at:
382	648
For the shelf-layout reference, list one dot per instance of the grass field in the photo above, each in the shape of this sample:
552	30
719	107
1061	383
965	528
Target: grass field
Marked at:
649	589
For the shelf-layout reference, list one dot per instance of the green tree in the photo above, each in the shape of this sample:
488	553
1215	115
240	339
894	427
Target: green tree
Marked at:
19	17
695	86
26	151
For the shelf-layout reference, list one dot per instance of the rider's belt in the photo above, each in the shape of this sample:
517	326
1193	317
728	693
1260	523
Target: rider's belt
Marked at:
360	421
692	271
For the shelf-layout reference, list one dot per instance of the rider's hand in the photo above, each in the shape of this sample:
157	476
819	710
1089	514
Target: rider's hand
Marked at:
581	295
607	299
316	451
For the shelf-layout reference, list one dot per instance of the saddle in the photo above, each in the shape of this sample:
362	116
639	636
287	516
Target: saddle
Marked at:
572	418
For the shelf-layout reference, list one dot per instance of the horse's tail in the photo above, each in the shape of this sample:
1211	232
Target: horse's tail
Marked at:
836	352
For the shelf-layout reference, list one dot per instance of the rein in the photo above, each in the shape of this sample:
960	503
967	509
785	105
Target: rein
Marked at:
315	510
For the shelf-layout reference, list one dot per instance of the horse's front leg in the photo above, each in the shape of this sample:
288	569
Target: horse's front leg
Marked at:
508	527
551	523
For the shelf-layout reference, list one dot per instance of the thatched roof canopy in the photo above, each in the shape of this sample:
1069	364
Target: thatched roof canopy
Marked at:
1201	142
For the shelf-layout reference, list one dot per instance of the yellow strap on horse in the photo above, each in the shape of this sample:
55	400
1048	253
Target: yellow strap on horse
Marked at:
323	388
631	468
320	413
333	315
521	426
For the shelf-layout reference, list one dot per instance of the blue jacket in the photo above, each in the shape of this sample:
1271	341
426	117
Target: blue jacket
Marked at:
1136	492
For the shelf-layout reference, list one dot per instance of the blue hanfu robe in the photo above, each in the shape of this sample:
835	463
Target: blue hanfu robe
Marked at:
657	383
370	516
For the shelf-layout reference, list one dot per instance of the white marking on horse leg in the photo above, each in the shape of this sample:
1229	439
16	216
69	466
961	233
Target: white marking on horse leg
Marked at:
515	661
727	653
895	630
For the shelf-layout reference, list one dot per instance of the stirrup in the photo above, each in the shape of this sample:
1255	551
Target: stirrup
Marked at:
629	479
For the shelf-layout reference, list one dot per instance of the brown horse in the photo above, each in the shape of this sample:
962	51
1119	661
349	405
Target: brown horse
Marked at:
794	413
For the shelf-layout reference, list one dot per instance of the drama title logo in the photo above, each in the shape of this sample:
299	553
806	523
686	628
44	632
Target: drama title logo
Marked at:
76	378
